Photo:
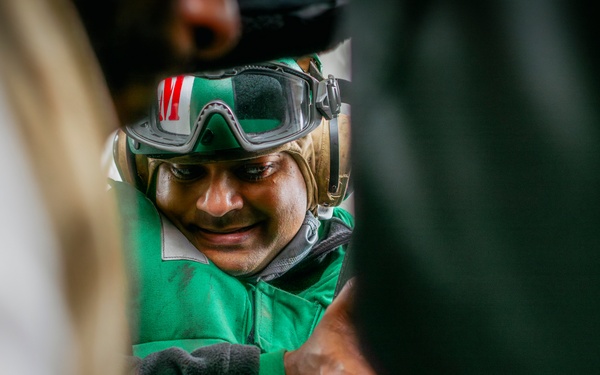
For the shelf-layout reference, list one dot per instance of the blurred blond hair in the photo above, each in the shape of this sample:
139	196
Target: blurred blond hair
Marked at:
64	113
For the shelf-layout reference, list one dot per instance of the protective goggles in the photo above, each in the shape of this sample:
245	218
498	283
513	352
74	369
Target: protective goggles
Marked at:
263	105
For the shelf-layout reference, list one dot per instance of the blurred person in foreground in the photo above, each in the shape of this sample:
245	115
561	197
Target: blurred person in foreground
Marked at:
62	295
476	165
230	212
62	287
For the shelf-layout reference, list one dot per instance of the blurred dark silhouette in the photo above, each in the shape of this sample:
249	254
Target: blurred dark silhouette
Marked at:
477	186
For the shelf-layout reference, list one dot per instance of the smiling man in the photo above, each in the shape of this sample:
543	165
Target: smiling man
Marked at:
236	242
240	213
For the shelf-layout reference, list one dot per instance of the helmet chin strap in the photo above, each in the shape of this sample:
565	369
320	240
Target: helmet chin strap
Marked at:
332	108
334	156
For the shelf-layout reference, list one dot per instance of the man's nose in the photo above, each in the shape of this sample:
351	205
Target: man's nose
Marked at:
214	25
221	195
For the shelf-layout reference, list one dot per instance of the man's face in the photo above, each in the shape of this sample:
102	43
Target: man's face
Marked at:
239	213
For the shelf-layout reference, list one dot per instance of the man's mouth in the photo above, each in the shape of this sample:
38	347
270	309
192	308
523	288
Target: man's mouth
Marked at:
226	236
237	229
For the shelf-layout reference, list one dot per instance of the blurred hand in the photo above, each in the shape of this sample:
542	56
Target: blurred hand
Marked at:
333	346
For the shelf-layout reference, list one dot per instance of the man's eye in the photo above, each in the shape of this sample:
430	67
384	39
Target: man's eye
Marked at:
255	172
186	173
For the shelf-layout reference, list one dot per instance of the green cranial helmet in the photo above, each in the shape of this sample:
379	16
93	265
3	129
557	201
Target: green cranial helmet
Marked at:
253	108
242	113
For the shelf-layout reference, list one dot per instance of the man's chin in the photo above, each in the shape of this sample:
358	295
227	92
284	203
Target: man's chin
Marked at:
233	262
237	271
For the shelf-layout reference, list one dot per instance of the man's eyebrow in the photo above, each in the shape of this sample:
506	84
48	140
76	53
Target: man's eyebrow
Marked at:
276	154
200	159
258	158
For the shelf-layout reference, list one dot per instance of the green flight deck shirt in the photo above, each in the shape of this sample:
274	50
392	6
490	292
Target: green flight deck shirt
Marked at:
181	299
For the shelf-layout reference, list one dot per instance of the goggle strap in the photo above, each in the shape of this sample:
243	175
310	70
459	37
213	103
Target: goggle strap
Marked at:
344	88
328	97
332	93
344	85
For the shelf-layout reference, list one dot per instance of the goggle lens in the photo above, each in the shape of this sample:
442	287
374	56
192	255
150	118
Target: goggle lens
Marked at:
270	107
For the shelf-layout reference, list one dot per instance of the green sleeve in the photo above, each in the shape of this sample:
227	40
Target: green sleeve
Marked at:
272	363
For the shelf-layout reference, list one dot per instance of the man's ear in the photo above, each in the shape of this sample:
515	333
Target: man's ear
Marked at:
333	182
124	159
132	168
